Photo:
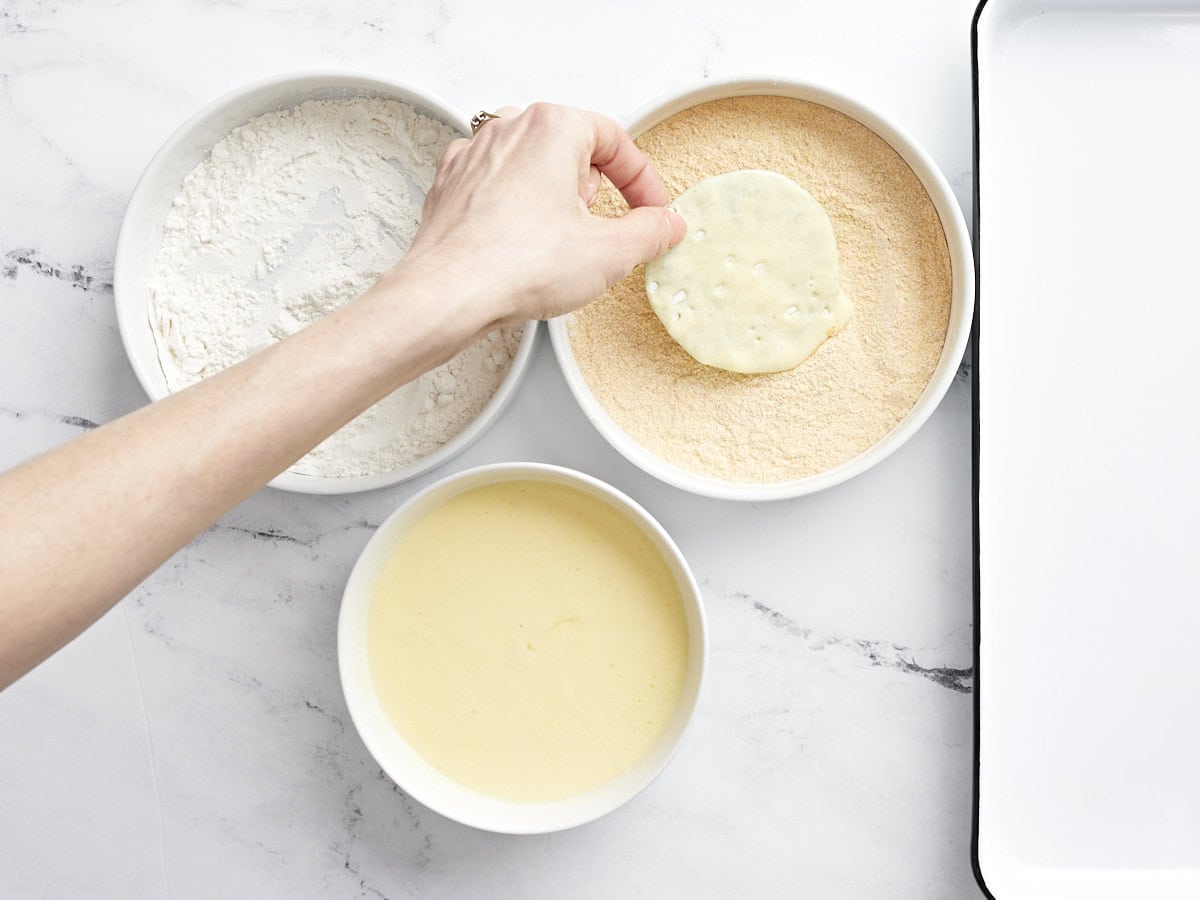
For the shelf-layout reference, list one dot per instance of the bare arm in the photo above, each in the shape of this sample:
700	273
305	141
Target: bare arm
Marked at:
506	237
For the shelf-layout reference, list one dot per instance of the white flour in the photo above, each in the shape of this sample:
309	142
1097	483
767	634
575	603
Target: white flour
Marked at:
291	216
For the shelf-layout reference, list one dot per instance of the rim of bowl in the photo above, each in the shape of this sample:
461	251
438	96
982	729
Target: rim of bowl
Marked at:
958	330
132	301
446	797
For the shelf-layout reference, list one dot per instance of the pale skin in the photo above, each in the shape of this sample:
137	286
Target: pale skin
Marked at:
506	236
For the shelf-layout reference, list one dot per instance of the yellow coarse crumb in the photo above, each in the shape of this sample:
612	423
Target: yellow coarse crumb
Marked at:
858	385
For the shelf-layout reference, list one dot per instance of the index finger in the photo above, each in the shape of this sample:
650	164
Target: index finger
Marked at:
629	169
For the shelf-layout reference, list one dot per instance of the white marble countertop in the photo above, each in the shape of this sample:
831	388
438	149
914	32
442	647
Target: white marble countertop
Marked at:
195	743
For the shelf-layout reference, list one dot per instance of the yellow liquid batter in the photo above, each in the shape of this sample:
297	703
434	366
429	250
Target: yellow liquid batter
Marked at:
528	640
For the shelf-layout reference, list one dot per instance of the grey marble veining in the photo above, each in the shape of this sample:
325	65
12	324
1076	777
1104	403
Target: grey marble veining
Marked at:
195	742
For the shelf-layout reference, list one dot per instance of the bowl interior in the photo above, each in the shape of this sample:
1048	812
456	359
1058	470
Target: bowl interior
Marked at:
405	766
958	330
142	230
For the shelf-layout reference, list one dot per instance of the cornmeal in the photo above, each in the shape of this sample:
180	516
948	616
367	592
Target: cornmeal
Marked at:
529	640
894	265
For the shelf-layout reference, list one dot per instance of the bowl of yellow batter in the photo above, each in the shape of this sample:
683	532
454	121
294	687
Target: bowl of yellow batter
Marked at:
521	647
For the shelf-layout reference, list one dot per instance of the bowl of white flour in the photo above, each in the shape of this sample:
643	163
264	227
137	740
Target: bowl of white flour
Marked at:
271	208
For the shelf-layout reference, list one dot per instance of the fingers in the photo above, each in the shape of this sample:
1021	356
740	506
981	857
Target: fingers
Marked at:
610	151
515	197
640	235
628	168
678	228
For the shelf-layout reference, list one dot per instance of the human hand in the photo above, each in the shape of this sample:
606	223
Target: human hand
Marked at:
506	223
506	236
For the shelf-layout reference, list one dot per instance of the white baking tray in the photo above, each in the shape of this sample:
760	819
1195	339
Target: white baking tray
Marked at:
1088	497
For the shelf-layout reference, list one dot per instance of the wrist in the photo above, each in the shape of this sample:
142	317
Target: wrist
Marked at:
459	293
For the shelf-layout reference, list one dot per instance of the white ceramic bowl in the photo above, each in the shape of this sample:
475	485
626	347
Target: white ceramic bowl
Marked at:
405	766
962	263
142	228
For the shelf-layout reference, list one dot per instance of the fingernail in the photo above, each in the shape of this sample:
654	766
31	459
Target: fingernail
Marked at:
678	226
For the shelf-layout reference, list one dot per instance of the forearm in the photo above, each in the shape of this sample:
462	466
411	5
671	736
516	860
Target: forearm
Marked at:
82	525
506	214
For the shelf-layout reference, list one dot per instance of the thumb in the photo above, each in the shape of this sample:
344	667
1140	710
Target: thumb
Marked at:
642	234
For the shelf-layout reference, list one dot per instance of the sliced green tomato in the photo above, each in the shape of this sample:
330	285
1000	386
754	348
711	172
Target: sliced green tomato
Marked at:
754	286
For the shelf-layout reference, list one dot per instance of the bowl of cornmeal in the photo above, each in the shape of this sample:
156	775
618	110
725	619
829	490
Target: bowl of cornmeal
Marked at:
521	647
869	279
